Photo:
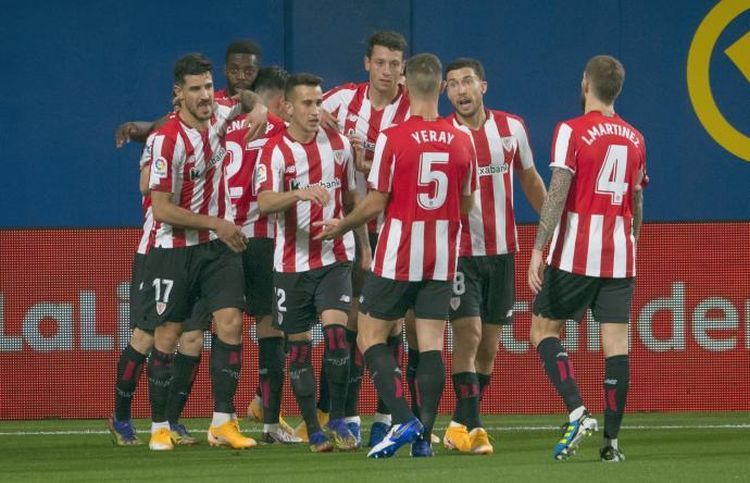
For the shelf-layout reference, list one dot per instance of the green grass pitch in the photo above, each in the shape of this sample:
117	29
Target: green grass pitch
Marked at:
705	447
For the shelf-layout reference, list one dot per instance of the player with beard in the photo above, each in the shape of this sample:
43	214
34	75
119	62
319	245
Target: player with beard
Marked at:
593	214
484	288
196	243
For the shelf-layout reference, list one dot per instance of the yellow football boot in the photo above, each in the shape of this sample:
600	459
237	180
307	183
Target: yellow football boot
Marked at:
301	430
457	437
228	434
161	440
480	442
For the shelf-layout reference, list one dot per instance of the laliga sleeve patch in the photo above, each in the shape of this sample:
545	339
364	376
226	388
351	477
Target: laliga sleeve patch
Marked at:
160	167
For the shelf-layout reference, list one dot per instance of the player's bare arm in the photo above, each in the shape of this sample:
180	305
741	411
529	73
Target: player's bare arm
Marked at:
350	200
552	209
637	211
533	187
467	203
165	211
257	114
373	204
137	130
275	202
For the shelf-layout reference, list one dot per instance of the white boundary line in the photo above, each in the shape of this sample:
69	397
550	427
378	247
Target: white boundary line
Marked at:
491	428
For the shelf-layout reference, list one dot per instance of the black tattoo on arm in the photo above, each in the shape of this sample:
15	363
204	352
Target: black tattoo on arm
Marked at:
553	206
637	212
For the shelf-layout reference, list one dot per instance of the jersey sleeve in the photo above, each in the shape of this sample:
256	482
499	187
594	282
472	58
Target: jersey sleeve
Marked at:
167	159
381	171
644	172
524	158
225	111
563	148
269	171
146	154
335	100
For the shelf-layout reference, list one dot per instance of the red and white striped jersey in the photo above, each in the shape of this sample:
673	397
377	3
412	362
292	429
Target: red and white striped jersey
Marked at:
350	105
501	144
286	165
189	164
240	166
426	167
607	157
144	244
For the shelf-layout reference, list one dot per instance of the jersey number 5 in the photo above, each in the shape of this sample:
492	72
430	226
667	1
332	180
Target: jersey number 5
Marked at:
436	180
611	179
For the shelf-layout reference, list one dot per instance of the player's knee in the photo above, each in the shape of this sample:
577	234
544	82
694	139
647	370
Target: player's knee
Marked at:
191	343
142	341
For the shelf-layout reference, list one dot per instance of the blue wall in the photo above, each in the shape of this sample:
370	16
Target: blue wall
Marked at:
77	69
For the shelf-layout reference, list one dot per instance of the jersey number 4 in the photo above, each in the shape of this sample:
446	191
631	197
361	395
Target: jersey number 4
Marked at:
611	179
435	180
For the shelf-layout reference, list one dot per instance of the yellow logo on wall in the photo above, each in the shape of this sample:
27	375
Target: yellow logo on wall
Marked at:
698	78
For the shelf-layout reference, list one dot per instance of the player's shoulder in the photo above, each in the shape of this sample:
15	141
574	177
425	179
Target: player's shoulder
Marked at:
332	137
170	129
274	140
630	126
513	120
346	88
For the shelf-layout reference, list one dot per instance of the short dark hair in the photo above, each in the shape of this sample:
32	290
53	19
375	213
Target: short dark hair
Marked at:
389	39
464	62
424	73
191	64
271	77
606	76
243	46
303	79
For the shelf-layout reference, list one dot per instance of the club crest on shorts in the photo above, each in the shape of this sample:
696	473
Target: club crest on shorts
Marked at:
160	307
455	302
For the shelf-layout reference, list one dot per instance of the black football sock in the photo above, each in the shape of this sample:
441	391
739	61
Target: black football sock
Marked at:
429	382
336	363
271	379
466	387
129	368
324	394
411	372
356	369
560	371
226	363
184	370
616	383
484	382
387	379
302	379
159	380
396	344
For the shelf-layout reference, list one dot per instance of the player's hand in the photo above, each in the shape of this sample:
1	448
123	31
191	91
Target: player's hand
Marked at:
256	121
330	229
232	235
124	132
327	121
358	147
536	269
316	194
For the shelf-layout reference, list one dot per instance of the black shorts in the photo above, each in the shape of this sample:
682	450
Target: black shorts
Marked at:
174	279
566	296
484	287
136	301
257	262
358	275
388	299
301	296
